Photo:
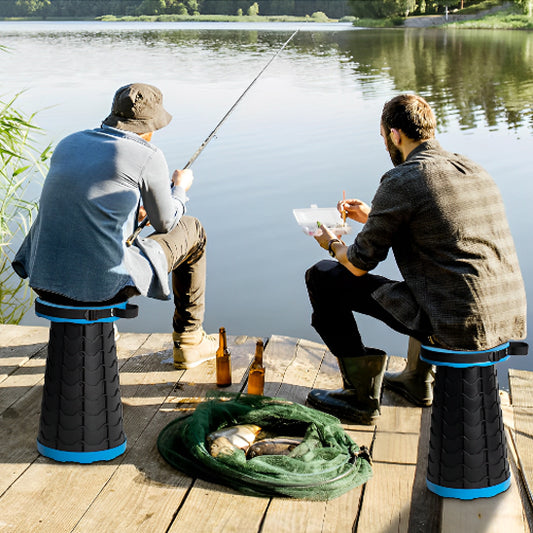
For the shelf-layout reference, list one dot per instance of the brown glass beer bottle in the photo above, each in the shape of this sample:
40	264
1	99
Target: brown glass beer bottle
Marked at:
223	360
256	377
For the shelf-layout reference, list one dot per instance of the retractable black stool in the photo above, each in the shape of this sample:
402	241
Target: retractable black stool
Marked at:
81	412
467	447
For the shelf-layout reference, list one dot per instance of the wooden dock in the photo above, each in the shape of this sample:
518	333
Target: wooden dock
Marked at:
139	491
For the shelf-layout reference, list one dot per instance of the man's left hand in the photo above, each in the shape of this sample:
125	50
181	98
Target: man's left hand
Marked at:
324	236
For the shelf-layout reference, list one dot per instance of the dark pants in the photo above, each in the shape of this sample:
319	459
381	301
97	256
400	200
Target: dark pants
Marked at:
335	293
184	248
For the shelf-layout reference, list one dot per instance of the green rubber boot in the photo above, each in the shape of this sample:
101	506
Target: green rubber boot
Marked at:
415	382
358	401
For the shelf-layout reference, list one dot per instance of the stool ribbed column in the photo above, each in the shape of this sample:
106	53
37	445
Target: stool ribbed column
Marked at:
81	414
467	449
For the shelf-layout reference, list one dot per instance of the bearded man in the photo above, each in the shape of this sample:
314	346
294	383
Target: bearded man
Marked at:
443	217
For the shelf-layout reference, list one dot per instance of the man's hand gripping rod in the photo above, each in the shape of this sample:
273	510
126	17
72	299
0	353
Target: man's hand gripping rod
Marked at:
145	220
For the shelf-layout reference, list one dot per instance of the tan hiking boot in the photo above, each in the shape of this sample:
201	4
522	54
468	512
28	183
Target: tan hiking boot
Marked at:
192	348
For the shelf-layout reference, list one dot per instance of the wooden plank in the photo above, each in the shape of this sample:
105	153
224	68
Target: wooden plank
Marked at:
521	387
395	457
18	344
523	440
288	515
19	424
21	379
155	489
425	507
20	402
213	508
485	515
341	514
139	491
521	428
226	506
61	493
15	335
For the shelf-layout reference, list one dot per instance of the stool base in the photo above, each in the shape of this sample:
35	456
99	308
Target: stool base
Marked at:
467	449
468	494
81	410
80	457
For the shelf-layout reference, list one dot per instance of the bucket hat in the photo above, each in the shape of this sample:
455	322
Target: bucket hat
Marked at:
138	107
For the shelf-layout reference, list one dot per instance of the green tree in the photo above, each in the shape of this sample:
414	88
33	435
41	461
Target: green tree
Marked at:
152	7
32	7
527	6
382	8
253	10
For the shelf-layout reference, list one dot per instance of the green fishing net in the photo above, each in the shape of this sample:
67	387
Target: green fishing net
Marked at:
325	465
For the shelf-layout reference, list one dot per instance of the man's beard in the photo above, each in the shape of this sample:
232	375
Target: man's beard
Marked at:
395	154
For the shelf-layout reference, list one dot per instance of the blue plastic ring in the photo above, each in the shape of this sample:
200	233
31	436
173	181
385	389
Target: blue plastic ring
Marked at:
469	494
81	457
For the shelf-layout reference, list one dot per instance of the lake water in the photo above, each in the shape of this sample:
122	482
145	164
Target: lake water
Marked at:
306	131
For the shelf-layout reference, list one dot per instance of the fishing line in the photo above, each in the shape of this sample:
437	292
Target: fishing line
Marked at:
145	220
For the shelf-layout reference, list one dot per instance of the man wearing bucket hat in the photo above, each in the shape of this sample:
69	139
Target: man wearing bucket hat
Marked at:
99	183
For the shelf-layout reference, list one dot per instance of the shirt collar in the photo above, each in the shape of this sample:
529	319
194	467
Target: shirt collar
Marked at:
430	144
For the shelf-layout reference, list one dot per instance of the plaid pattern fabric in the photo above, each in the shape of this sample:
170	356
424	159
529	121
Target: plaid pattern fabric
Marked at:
444	219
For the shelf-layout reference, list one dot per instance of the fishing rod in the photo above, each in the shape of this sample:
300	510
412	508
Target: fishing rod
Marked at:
144	222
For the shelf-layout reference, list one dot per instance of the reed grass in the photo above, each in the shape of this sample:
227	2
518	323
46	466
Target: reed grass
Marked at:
21	162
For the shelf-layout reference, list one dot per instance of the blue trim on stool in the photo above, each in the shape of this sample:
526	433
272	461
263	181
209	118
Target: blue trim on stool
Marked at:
81	457
121	305
455	353
469	494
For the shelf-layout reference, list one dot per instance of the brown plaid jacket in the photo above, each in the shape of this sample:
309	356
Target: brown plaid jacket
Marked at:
444	219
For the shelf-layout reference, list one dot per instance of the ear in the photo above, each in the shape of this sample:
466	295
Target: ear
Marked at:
396	136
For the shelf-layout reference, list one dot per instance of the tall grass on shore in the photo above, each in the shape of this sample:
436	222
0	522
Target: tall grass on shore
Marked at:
511	18
21	161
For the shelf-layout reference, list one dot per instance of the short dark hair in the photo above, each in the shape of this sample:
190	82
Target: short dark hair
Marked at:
411	114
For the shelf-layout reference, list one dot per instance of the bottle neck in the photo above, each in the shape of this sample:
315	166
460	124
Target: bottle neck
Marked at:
258	359
222	343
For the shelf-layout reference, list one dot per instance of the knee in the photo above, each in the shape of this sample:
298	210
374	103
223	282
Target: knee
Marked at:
319	273
195	228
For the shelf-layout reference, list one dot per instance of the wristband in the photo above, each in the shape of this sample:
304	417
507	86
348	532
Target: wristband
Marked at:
330	250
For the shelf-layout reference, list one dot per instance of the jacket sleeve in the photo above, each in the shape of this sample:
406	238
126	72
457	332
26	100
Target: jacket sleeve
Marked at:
390	211
164	204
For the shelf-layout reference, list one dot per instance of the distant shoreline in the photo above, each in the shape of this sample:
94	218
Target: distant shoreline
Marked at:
496	18
181	18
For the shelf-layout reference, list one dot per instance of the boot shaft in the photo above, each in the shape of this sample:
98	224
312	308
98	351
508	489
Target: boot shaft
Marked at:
364	374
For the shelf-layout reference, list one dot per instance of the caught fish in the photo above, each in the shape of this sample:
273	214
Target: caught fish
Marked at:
274	446
227	440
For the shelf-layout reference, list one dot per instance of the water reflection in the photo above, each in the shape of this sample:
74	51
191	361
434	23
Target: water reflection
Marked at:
476	77
307	131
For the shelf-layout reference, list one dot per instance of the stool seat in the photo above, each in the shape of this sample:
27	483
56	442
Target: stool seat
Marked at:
81	410
82	314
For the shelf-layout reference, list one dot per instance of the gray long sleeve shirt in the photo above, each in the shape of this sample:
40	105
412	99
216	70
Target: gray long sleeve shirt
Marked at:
444	219
88	208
